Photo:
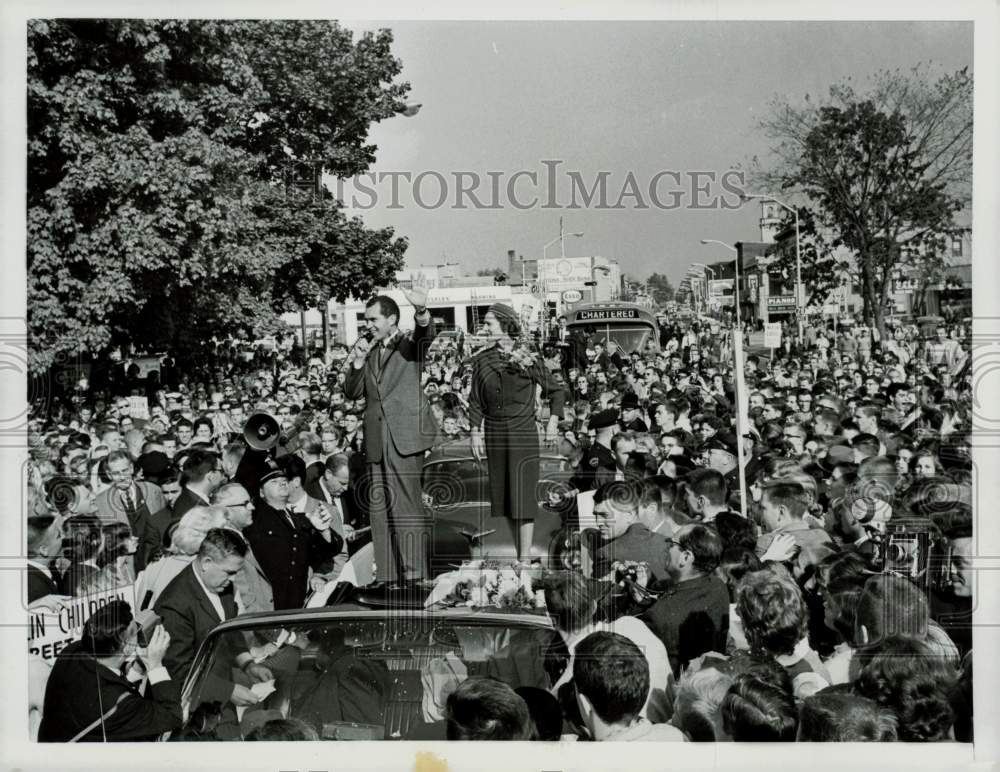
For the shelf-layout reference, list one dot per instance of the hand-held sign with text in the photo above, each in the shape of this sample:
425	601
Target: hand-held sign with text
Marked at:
772	335
49	633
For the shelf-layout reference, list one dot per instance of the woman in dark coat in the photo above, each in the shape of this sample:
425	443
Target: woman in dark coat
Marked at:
502	407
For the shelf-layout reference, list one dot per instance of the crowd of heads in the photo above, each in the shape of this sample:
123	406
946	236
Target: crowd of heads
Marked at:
866	451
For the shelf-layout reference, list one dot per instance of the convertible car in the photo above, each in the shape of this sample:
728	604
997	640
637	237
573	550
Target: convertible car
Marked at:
456	491
361	671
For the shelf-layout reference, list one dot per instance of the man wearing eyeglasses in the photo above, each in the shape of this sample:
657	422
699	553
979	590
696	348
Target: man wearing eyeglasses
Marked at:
252	585
692	615
795	435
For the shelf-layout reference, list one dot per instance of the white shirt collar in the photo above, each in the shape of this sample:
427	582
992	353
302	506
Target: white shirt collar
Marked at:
213	597
41	567
196	494
800	651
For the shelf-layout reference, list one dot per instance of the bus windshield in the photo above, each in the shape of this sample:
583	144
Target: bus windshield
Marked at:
629	325
631	338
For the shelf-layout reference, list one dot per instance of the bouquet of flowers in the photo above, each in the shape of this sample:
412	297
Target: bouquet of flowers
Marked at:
521	357
485	584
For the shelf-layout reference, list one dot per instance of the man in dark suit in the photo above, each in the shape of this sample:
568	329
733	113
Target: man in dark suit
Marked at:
202	474
337	487
44	542
692	616
86	698
321	515
197	600
159	522
398	428
311	452
612	355
288	543
353	440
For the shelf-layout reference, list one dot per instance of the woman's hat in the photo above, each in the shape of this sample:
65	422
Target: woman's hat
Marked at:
504	313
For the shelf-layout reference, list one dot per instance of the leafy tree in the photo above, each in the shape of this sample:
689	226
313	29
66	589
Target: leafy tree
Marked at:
660	288
163	160
489	271
887	172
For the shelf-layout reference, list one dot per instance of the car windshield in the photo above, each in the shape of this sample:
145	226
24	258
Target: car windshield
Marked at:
376	676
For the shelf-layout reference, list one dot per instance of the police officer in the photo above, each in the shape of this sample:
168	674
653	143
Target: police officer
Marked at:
631	420
599	456
287	543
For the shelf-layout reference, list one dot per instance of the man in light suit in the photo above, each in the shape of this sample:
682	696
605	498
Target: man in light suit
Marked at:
398	428
128	500
251	582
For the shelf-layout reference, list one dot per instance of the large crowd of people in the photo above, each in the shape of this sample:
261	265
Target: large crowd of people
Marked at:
820	592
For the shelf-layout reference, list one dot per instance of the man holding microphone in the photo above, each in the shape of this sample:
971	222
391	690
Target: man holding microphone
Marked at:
384	367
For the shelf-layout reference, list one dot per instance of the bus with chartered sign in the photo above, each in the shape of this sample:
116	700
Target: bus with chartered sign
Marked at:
631	326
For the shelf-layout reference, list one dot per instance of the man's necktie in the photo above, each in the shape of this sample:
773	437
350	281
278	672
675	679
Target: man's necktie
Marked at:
289	517
129	501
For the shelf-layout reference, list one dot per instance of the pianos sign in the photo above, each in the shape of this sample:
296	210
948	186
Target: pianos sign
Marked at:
781	301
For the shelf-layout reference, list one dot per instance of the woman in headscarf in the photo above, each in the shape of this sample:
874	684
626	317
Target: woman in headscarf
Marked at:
502	406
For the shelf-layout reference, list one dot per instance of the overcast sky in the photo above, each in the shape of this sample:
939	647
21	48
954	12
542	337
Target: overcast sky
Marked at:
619	97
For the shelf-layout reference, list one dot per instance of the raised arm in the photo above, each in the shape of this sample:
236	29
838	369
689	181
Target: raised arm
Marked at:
423	325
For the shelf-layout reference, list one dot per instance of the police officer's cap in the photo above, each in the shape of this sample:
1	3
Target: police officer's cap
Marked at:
603	419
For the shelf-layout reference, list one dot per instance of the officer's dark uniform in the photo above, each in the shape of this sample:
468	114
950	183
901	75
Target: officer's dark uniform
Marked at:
503	399
596	458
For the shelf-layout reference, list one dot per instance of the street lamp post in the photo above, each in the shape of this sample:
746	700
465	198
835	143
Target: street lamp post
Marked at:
692	277
798	254
560	238
736	281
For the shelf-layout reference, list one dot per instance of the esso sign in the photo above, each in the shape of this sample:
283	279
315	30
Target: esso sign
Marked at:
572	296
